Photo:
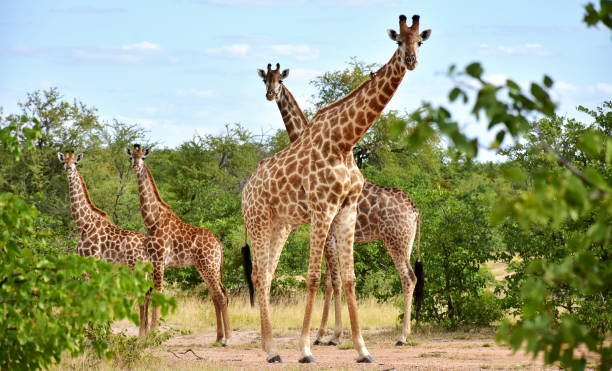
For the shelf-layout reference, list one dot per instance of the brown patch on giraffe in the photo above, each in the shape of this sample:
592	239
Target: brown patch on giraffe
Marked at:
387	90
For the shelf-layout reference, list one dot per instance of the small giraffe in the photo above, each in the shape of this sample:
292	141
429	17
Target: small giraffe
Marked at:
97	235
174	243
383	213
315	180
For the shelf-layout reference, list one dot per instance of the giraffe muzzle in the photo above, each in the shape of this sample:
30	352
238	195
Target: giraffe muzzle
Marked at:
411	62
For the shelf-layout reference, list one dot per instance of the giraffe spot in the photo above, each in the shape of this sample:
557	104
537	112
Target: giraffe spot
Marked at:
351	111
295	180
371	117
336	134
291	167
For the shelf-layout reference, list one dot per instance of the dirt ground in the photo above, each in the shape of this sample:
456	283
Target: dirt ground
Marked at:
474	350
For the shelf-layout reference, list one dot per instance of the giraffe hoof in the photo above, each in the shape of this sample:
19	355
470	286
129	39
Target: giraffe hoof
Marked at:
367	359
224	345
332	343
317	342
307	359
275	359
400	343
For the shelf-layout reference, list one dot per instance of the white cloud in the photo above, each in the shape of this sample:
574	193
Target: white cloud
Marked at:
565	87
142	46
527	49
299	52
196	92
88	10
236	50
304	73
138	53
144	122
604	87
496	78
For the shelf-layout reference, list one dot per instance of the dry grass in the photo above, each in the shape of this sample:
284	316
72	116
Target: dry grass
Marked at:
198	315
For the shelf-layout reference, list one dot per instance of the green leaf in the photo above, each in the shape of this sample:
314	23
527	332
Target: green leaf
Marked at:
515	174
475	70
548	82
452	96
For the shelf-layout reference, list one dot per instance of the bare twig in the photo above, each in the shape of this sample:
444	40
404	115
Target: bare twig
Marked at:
194	353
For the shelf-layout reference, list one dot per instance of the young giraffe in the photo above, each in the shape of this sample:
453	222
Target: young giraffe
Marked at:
315	180
383	213
98	236
174	243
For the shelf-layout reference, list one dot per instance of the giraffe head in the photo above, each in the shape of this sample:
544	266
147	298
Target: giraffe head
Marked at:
69	160
273	80
409	40
137	155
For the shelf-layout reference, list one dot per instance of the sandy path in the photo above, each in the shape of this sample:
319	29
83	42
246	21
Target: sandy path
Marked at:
451	351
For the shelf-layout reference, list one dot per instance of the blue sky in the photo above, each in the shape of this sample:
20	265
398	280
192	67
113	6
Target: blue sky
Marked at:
189	66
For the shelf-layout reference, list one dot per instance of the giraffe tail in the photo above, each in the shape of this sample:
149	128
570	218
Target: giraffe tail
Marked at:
419	289
248	270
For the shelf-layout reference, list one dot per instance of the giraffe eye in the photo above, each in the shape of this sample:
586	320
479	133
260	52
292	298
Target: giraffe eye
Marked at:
399	43
420	43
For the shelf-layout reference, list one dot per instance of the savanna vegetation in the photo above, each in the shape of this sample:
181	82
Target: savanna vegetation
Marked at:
542	212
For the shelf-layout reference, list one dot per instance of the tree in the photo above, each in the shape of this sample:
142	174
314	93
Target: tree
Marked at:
560	193
45	302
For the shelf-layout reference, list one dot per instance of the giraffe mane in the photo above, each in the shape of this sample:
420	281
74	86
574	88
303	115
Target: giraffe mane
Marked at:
88	200
341	100
155	190
353	92
297	107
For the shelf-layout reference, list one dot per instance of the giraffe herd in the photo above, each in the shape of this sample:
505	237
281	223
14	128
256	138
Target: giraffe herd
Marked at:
313	181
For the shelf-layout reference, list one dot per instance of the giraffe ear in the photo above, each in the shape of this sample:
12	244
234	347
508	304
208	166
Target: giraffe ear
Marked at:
285	74
392	34
60	157
128	151
79	157
261	73
146	152
425	35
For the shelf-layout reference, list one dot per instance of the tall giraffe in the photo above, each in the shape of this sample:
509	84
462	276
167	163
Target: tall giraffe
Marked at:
315	180
383	213
98	236
174	243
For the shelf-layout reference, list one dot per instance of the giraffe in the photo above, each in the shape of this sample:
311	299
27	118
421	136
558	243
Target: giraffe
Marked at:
315	180
174	243
383	213
98	236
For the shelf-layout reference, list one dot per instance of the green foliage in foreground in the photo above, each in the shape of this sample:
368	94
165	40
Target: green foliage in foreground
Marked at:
564	191
46	303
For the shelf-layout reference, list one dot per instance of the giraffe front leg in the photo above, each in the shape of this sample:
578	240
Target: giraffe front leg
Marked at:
158	283
344	233
318	236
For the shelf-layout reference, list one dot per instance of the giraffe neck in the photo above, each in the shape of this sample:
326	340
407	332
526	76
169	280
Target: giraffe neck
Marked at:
293	117
151	203
83	210
360	108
